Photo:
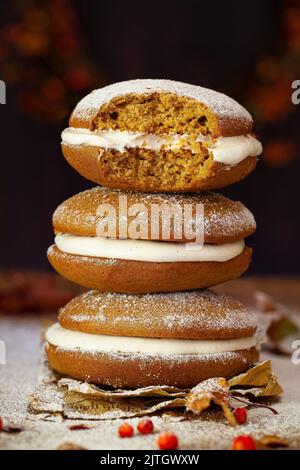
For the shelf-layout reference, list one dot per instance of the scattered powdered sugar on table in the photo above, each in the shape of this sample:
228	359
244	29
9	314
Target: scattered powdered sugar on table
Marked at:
210	431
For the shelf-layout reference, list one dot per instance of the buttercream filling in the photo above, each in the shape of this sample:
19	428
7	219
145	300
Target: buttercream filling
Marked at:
69	339
146	250
227	150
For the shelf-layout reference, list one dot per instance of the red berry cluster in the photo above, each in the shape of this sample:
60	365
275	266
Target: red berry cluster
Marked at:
165	441
169	441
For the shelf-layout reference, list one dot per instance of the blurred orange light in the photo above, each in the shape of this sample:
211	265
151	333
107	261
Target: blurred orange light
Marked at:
279	152
53	89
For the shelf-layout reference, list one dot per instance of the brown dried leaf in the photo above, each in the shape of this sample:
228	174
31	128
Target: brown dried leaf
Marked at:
264	302
79	427
281	324
281	328
12	429
259	381
272	442
70	446
211	391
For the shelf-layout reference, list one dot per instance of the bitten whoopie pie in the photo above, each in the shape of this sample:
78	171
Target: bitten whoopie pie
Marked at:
150	245
177	339
160	135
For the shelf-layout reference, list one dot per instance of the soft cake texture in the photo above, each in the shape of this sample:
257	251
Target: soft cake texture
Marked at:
165	108
163	98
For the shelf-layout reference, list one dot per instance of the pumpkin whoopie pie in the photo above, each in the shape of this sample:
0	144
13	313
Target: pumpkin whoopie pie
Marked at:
146	260
160	135
176	339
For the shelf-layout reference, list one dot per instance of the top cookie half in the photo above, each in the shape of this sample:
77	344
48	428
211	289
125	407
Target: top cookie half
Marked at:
160	135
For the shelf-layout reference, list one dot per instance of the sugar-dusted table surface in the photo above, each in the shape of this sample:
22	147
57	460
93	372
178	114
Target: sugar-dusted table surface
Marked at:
19	376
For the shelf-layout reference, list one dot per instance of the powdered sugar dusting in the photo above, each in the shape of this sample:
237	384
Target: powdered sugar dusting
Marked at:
195	314
222	105
214	384
223	218
210	430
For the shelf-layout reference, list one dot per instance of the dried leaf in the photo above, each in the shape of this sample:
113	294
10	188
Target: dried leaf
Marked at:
69	398
264	302
272	442
260	379
79	427
281	324
211	391
281	328
70	446
33	291
12	429
92	390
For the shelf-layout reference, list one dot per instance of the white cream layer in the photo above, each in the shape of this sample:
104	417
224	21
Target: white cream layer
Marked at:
227	150
68	339
146	250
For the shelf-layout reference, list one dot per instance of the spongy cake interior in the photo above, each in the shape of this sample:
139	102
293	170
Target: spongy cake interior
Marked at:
157	113
160	114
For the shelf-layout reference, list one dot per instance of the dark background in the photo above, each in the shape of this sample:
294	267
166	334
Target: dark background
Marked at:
54	52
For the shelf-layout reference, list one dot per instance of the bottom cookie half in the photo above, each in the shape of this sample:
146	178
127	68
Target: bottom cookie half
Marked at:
121	370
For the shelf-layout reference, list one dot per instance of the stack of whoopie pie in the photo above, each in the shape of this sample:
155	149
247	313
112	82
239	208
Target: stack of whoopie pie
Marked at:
150	241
